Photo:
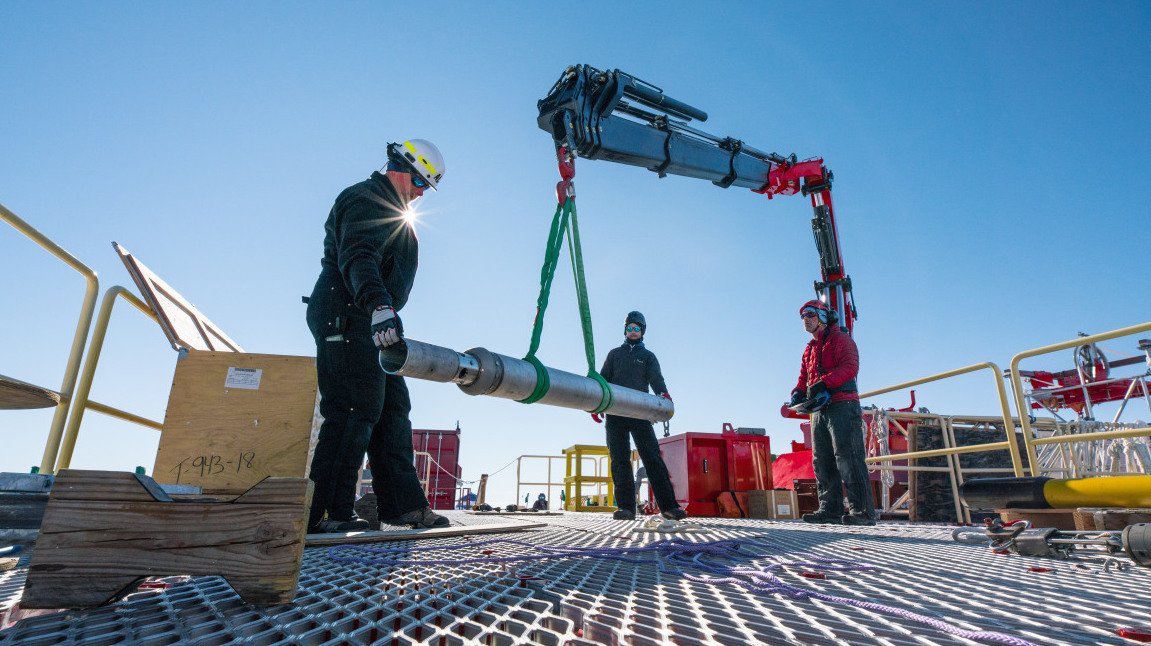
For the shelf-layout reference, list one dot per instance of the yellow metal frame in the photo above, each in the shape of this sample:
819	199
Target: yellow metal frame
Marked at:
1004	407
72	368
948	437
575	456
521	483
80	401
1021	405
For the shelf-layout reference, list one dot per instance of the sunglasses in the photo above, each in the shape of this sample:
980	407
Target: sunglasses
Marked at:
632	328
809	315
418	181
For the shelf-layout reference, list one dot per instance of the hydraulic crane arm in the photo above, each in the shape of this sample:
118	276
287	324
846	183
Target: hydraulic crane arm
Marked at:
614	116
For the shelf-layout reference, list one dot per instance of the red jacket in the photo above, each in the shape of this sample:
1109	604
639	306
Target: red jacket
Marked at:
840	363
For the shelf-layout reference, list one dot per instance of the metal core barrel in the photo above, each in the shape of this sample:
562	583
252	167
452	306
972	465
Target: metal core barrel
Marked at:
480	372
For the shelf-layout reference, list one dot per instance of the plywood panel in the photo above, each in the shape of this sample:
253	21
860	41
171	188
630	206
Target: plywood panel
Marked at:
234	419
183	324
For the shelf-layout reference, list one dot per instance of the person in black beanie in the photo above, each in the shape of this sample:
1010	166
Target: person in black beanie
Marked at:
632	365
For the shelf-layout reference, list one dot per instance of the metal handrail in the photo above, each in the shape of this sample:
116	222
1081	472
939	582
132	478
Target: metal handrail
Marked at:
520	483
1017	386
1005	409
72	368
80	401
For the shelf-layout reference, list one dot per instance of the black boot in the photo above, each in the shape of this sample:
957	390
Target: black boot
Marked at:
423	518
333	526
823	517
858	519
624	514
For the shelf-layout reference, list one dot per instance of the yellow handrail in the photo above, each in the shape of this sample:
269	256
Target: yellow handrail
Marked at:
1017	386
71	369
1005	409
80	402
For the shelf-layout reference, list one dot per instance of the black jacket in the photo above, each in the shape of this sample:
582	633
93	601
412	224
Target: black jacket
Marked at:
635	367
369	249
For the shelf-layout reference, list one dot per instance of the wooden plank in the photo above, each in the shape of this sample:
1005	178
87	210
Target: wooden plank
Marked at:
18	395
91	551
81	484
315	540
234	419
183	324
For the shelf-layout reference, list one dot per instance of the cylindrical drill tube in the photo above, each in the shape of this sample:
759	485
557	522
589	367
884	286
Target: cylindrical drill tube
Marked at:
481	372
427	361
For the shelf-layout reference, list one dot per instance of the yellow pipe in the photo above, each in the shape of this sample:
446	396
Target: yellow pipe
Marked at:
974	448
1017	382
1004	409
1088	437
84	386
79	337
124	415
1113	491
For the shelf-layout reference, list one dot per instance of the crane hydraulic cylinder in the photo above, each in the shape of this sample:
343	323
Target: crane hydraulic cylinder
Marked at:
480	372
1048	493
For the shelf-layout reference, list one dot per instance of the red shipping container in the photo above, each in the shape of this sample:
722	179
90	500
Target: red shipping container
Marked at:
437	461
703	465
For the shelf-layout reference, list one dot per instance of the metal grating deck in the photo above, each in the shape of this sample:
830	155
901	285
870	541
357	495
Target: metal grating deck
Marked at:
577	601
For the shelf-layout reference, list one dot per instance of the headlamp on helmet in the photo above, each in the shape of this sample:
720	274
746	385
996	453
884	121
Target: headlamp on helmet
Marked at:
419	157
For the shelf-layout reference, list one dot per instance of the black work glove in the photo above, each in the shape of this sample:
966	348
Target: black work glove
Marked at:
797	397
386	327
814	390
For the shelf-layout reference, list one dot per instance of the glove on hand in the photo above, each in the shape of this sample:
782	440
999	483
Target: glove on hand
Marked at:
666	396
819	400
386	327
815	389
797	397
597	418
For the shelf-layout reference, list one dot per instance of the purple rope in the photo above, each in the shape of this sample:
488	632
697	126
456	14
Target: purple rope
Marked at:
672	556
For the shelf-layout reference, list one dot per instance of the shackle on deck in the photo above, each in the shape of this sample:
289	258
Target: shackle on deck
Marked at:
481	372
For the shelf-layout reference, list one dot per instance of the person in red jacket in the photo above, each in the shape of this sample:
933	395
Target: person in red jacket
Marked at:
826	389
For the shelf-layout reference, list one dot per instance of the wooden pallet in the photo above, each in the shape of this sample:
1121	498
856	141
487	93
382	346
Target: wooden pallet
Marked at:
105	531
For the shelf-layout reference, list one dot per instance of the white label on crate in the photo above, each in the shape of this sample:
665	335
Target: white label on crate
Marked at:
782	509
248	378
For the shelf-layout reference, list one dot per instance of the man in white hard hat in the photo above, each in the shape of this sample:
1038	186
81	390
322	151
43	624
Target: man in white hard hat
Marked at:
369	264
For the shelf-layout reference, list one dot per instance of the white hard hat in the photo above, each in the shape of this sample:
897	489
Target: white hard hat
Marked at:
422	156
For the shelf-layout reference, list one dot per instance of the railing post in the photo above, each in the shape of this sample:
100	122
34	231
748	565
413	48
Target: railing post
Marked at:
84	385
79	337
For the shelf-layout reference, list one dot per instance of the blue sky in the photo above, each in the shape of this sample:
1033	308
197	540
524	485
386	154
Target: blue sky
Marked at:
991	164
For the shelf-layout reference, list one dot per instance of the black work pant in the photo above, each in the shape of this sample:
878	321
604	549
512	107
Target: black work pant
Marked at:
620	432
837	456
364	410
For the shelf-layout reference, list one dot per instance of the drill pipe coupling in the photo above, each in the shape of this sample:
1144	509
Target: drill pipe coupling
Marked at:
481	372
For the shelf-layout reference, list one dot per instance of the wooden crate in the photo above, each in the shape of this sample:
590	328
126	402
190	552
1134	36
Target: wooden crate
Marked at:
1057	518
234	419
1109	518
